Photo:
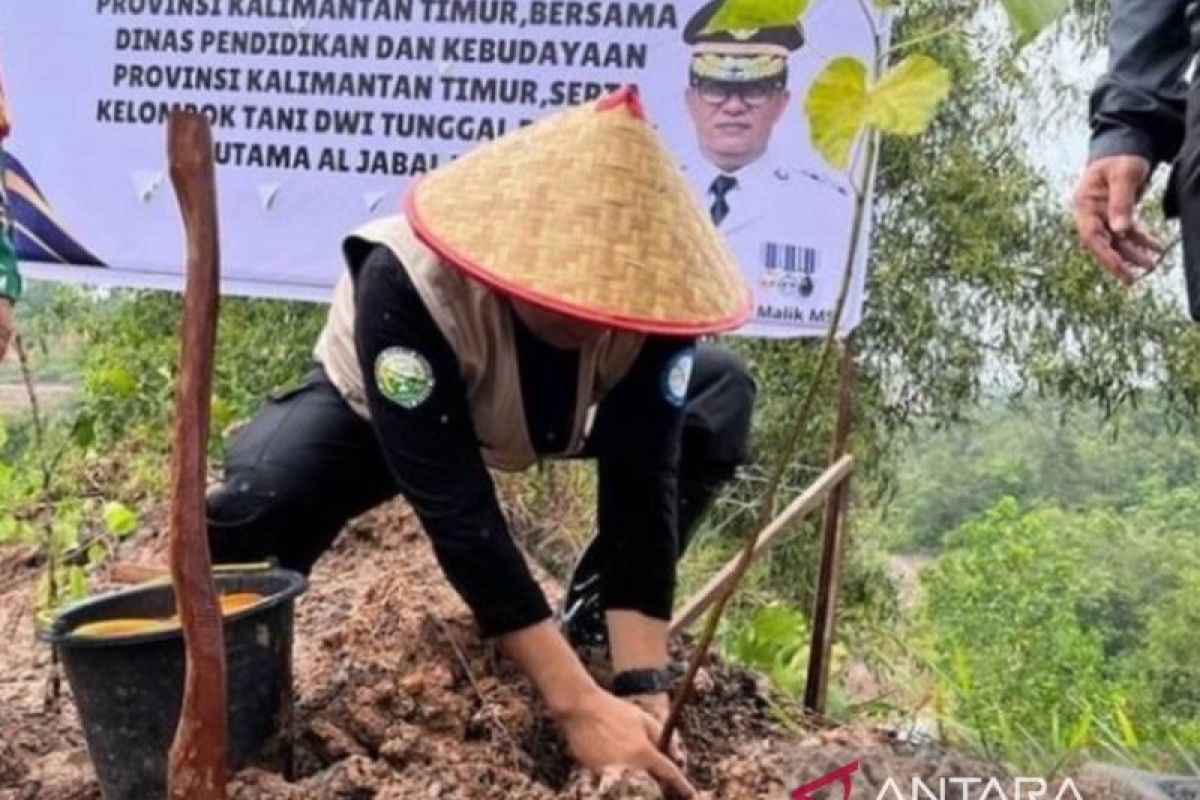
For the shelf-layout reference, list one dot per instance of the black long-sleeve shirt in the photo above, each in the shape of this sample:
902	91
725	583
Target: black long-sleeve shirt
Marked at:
1137	108
431	447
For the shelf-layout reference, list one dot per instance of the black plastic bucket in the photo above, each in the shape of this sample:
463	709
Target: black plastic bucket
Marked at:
128	689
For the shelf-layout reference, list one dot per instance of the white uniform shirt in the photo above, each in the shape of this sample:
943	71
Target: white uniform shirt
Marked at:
789	228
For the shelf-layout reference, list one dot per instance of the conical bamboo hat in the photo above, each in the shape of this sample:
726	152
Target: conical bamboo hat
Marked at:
588	214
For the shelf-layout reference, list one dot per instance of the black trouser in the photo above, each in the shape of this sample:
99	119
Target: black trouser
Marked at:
306	464
1184	196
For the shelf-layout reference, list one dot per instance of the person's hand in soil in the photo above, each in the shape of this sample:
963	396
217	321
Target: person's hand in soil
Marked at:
607	731
639	642
659	707
601	730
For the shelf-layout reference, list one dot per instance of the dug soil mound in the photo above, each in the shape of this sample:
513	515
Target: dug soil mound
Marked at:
397	697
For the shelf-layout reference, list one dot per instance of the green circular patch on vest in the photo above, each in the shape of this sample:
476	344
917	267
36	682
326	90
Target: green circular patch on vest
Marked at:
404	376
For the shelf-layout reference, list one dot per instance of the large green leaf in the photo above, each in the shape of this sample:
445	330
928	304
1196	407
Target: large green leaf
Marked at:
750	14
1029	17
904	100
781	627
840	102
836	108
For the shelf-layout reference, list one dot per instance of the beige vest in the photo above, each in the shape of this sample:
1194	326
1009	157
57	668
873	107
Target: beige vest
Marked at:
477	322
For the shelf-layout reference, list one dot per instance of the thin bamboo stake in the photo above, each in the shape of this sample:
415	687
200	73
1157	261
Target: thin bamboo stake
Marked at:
802	506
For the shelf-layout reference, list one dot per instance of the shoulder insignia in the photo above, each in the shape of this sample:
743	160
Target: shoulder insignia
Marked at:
784	174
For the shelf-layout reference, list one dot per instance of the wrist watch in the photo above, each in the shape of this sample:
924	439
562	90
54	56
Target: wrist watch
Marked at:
641	681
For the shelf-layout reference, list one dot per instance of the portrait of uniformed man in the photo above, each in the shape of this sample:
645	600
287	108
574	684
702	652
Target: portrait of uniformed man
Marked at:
766	196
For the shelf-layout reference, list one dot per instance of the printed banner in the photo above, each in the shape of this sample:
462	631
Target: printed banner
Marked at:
323	110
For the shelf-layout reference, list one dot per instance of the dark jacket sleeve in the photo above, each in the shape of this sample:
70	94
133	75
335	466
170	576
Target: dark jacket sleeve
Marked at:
1137	108
636	441
421	418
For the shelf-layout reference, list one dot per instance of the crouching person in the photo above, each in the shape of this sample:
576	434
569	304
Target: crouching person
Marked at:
541	297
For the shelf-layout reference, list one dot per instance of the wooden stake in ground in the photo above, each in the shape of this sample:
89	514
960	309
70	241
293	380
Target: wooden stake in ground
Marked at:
197	768
833	542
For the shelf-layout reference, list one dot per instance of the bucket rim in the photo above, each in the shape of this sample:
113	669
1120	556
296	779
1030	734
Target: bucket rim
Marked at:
57	634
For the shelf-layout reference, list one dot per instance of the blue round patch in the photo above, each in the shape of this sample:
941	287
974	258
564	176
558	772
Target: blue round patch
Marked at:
677	376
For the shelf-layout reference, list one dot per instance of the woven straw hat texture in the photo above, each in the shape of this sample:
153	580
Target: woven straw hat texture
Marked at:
587	213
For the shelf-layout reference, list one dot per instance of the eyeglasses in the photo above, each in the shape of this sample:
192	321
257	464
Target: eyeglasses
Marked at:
754	95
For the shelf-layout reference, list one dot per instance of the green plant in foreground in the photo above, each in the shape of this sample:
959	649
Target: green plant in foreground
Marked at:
39	505
774	641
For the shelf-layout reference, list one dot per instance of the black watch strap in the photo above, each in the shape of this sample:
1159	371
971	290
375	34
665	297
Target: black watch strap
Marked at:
641	681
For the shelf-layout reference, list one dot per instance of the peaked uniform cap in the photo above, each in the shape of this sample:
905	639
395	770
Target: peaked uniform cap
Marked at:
585	213
780	38
749	55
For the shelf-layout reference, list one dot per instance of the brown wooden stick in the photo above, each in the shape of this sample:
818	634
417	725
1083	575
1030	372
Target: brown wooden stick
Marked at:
197	767
833	543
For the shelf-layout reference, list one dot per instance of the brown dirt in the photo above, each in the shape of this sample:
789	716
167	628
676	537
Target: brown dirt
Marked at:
42	753
397	697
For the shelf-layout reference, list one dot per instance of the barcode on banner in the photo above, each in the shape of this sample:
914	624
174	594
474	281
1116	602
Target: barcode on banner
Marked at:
790	258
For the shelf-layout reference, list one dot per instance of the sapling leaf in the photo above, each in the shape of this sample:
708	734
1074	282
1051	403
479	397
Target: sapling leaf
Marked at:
752	14
836	108
841	103
1031	17
906	97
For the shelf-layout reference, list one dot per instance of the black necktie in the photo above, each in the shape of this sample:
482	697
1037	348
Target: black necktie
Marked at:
721	186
